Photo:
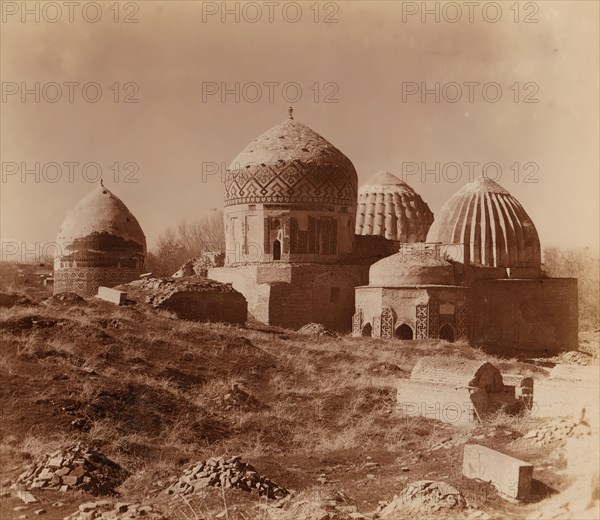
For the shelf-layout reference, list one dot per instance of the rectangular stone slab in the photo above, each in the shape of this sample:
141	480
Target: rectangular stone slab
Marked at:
441	402
511	477
112	295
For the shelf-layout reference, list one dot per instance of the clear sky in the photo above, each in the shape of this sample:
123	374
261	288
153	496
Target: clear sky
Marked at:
376	61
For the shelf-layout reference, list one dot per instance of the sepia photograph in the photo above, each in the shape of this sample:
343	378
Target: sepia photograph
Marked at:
300	260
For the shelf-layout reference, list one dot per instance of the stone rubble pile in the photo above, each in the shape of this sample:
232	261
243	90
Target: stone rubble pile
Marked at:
65	298
120	511
451	442
573	358
422	495
558	431
316	329
227	473
74	468
328	505
199	266
239	399
161	289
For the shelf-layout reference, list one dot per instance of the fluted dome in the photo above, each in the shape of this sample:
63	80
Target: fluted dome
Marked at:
290	163
390	208
492	222
99	243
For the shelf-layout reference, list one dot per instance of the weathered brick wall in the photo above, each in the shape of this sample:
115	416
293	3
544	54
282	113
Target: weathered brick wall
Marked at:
537	314
292	295
244	280
228	307
317	293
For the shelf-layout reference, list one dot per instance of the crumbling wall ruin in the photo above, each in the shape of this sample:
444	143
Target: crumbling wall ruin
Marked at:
192	299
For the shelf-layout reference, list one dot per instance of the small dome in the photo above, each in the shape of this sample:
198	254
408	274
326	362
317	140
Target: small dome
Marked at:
290	163
405	269
487	217
99	244
390	208
101	213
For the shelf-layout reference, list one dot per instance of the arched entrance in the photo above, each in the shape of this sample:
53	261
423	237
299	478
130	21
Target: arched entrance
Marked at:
404	332
367	331
447	332
277	250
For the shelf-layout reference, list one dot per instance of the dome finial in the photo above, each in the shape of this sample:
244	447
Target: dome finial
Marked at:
291	112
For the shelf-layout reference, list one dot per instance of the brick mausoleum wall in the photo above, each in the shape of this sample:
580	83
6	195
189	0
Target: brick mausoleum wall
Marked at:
536	314
243	279
317	293
292	295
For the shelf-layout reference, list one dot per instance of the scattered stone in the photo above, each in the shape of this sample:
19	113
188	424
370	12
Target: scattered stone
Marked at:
65	298
196	299
39	511
240	400
559	430
423	495
451	442
75	468
25	497
227	473
20	508
199	266
106	511
316	329
573	358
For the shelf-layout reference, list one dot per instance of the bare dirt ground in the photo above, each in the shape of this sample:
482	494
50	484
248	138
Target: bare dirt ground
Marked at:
315	414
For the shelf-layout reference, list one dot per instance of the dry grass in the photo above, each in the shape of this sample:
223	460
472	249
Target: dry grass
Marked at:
153	392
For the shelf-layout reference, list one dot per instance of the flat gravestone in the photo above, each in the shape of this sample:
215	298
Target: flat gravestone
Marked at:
112	295
511	477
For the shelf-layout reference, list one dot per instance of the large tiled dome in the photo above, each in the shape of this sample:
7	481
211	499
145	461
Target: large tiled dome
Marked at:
291	163
492	222
390	208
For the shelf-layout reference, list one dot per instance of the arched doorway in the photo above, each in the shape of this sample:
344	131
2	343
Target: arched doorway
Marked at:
277	250
367	331
447	332
404	332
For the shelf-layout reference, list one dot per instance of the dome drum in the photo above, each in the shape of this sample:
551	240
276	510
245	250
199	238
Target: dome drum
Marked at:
267	234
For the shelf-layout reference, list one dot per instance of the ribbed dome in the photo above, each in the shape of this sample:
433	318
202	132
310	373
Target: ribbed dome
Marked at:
290	163
390	208
494	224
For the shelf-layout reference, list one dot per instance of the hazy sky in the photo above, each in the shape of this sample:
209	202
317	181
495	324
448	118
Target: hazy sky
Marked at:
374	56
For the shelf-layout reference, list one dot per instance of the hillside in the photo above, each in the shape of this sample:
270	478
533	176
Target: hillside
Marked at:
316	414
